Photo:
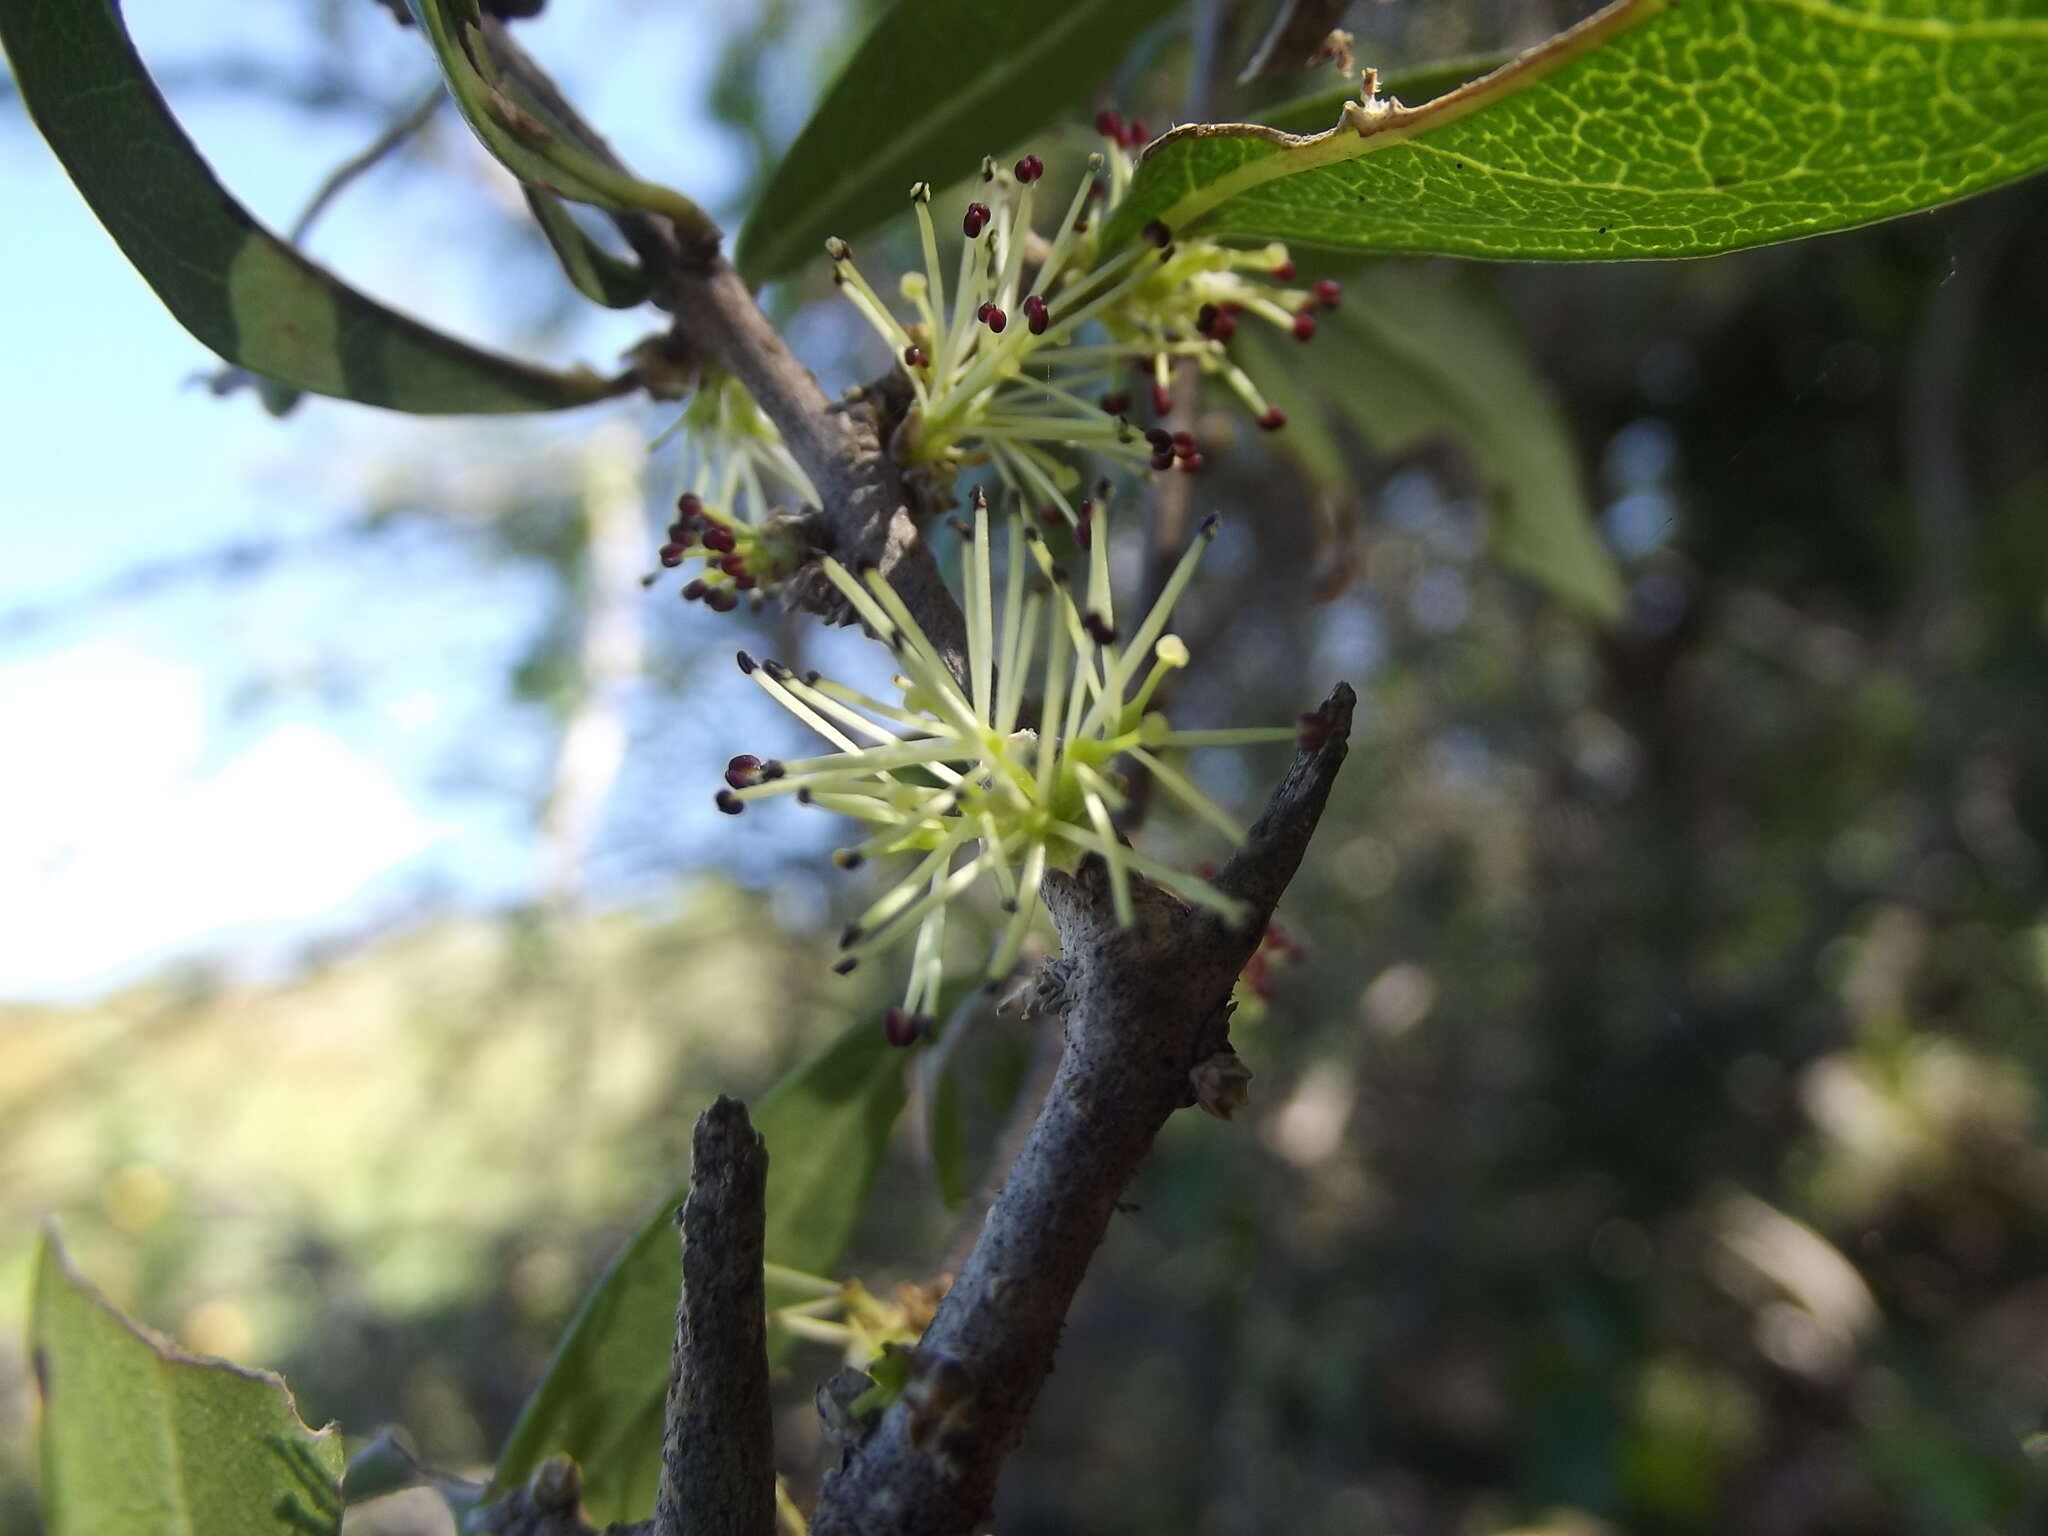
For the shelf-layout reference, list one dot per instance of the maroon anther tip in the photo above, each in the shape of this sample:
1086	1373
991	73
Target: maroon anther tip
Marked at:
1159	438
721	601
1109	124
1273	419
1311	731
1225	327
681	534
743	581
1157	232
694	589
1050	516
746	662
671	555
901	1027
1116	404
690	505
1184	444
1284	272
730	803
1328	292
1139	133
913	357
1206	318
743	770
1304	326
1029	169
734	565
1163	459
1194	464
975	219
1036	315
1100	630
1086	510
1162	399
1084	535
996	319
720	539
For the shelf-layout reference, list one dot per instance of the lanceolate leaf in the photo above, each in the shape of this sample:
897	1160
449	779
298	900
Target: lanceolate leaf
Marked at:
1654	128
143	1439
521	129
935	86
597	274
825	1125
231	283
1413	356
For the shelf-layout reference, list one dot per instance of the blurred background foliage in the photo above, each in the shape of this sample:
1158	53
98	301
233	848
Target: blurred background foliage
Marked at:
1650	1141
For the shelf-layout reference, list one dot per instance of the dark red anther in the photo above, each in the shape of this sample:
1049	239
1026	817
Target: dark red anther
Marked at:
1100	630
913	357
1226	324
975	220
1184	445
981	312
1328	292
1162	399
671	555
1311	731
1194	464
901	1027
1029	169
1139	133
1036	314
1206	318
1160	439
734	565
721	601
1304	325
692	590
1110	125
689	505
682	534
1086	510
1157	232
1084	535
1116	404
1050	516
1273	419
719	537
730	803
1284	272
743	581
996	319
1163	460
743	770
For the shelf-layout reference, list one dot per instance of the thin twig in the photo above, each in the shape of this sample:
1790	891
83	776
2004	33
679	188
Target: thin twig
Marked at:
390	139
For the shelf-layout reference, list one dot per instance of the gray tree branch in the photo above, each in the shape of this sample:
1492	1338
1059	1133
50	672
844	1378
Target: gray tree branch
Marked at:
718	1429
1147	1020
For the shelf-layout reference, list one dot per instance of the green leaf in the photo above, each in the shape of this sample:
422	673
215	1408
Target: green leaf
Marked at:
597	274
243	292
826	1125
1411	355
523	131
142	1439
1651	129
934	87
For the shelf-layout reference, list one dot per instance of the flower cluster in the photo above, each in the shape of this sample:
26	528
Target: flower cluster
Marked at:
957	775
734	516
1026	351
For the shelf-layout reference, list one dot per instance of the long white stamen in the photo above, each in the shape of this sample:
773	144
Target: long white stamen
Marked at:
1027	907
1183	789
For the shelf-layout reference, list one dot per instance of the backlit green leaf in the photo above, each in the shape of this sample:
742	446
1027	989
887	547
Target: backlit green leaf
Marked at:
596	273
141	1439
243	292
1652	129
825	1125
1412	356
934	87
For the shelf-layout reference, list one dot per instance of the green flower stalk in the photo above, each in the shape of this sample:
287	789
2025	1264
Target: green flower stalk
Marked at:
953	773
1021	354
734	514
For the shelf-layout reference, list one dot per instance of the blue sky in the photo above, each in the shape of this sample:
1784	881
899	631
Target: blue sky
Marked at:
149	810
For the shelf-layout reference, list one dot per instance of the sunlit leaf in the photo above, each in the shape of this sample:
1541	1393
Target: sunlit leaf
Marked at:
242	291
934	87
142	1439
825	1126
1412	356
1653	128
